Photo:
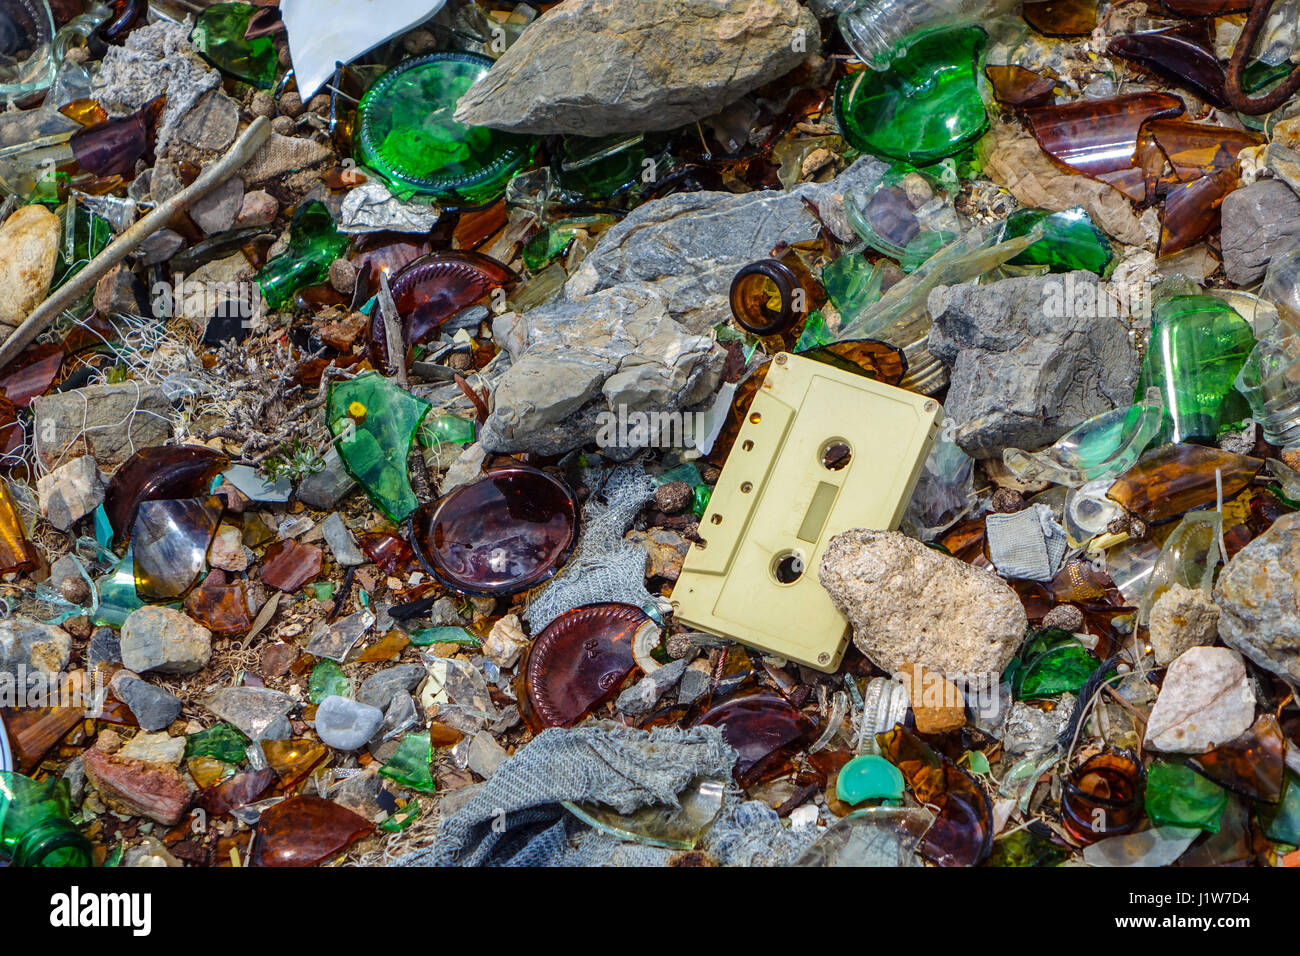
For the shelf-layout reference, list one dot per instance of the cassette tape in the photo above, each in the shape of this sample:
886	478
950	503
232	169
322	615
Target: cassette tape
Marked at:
820	451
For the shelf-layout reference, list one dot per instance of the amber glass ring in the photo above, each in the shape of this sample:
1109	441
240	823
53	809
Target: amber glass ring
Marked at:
763	297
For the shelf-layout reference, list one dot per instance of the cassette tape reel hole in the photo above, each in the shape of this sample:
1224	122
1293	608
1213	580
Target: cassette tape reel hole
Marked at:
788	567
835	454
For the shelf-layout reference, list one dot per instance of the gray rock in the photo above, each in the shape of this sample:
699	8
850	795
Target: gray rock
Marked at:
444	613
159	247
485	754
105	648
1183	618
75	774
70	492
346	724
379	689
108	422
152	707
28	648
591	68
1023	374
642	696
695	682
1206	700
210	127
1258	594
256	711
324	489
1259	221
216	212
341	543
909	604
467	467
571	360
165	640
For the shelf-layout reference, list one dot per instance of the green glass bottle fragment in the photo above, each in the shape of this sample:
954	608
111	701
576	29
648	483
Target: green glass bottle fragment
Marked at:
1282	821
448	428
1198	345
314	243
406	134
35	824
85	235
1070	241
1102	447
220	741
219	37
409	764
444	635
553	240
376	423
328	680
1051	664
925	107
852	284
869	777
1177	795
117	594
700	497
606	166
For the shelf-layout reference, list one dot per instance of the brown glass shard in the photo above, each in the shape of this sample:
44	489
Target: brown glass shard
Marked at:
1253	765
303	831
1176	57
220	605
239	791
1173	479
1020	88
764	728
1062	18
962	833
289	565
1099	138
293	759
1198	149
1192	210
16	552
578	662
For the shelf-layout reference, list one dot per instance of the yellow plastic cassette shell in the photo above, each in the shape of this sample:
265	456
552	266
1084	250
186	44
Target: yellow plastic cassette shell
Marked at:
782	497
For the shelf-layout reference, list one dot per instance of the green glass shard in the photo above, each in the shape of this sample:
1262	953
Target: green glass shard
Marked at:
925	107
1052	663
444	635
1177	795
815	333
409	764
220	741
1070	241
1282	822
117	594
376	422
448	428
328	680
1102	447
314	243
700	500
219	37
852	284
86	237
402	819
1198	345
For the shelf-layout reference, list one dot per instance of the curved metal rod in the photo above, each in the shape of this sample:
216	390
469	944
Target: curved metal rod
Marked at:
1236	96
